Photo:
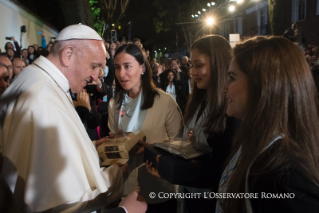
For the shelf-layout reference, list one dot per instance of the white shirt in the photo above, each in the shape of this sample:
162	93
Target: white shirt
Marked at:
42	135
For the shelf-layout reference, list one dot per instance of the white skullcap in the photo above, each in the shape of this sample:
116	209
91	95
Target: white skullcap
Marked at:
78	31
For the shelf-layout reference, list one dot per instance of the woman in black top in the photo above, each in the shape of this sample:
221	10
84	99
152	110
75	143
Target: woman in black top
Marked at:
276	152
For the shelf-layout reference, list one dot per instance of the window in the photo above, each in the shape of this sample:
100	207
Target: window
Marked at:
262	20
299	8
238	26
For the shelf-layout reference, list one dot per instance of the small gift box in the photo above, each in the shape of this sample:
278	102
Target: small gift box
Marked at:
175	169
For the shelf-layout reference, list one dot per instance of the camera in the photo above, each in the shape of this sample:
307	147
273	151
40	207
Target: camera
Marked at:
23	29
8	38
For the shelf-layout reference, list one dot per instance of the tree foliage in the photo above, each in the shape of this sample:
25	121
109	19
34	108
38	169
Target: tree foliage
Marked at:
277	22
96	13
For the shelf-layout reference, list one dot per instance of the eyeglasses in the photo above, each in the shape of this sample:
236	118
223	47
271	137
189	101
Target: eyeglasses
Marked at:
8	67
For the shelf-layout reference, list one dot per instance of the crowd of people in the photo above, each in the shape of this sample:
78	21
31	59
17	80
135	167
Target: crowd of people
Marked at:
255	105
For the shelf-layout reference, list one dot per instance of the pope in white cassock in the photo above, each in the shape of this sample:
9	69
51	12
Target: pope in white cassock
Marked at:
49	161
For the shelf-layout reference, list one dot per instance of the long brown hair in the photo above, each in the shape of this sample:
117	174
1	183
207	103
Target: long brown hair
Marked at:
218	50
282	100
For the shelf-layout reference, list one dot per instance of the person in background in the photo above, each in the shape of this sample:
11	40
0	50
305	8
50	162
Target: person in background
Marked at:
48	48
185	65
5	60
24	55
16	47
36	47
4	78
118	44
40	52
10	53
158	69
170	88
271	89
18	66
31	54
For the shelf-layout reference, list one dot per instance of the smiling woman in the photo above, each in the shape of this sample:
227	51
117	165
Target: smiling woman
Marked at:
139	105
271	89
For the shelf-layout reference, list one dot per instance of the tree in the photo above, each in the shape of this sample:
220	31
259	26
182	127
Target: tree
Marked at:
76	11
277	22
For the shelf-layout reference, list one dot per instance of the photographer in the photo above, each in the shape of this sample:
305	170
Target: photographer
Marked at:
10	45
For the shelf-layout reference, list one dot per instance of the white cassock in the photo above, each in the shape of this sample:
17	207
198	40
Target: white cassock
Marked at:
42	135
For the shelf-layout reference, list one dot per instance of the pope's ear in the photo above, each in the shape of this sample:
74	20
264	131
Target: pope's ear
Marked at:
67	55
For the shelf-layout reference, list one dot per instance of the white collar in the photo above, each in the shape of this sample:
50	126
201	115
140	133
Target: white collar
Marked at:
55	73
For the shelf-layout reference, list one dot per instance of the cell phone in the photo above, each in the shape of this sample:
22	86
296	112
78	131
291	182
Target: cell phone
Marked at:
8	38
39	32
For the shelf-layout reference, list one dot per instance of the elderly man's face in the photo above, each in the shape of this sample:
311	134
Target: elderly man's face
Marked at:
18	66
8	63
87	65
4	80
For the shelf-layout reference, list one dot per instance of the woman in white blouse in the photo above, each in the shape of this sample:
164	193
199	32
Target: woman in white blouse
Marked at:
139	105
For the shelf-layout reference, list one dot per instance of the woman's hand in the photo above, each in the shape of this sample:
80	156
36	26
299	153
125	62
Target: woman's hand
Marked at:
102	140
151	169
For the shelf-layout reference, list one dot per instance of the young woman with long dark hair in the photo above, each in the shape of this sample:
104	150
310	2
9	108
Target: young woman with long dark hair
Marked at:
276	150
139	105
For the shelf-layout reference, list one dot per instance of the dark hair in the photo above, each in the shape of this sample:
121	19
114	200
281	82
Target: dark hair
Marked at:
218	50
136	39
171	71
149	89
33	49
282	100
41	51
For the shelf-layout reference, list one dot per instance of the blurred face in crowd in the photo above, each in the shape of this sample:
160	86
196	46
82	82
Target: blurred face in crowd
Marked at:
31	50
101	75
113	46
128	72
8	63
41	51
123	42
36	46
200	70
88	61
49	47
314	49
4	79
147	53
154	61
24	53
236	89
107	45
10	52
170	77
314	58
138	43
10	45
18	66
174	65
184	60
118	44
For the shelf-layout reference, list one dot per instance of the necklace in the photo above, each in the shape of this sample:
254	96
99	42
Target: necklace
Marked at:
55	83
